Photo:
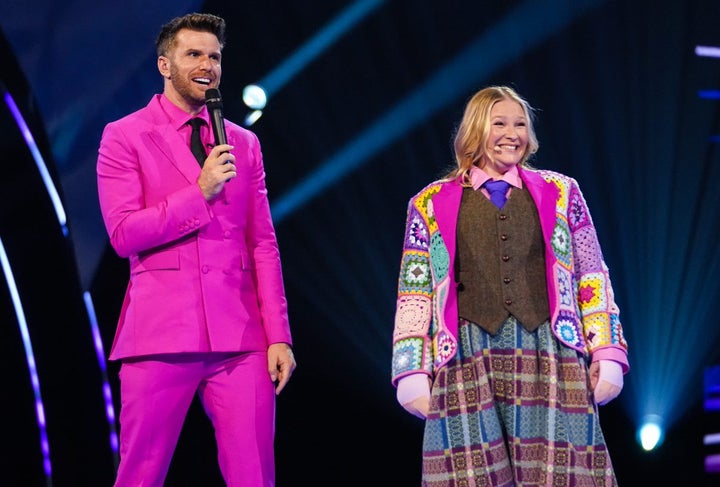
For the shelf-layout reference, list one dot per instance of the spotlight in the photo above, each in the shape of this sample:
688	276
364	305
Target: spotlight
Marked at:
710	51
651	434
254	97
252	117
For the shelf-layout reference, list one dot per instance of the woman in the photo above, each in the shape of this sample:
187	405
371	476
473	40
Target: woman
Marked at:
507	335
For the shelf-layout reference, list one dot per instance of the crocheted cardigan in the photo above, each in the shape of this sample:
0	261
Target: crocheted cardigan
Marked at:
583	312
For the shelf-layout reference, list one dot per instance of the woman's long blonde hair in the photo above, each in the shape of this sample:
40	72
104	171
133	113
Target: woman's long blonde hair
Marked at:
474	129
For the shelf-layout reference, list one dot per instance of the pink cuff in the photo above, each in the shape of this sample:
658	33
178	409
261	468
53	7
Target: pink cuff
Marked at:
610	372
413	386
614	353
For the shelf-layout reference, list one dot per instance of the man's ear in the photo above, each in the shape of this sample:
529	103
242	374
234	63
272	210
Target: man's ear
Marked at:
164	66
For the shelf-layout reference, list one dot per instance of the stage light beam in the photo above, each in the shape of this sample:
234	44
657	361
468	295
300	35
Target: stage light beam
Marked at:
449	81
651	433
284	72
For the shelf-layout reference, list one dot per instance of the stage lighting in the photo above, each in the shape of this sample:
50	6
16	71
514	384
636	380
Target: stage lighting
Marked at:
30	357
254	97
651	434
707	51
39	162
252	117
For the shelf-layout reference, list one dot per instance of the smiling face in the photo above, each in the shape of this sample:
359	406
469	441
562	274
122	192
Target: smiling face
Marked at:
507	139
191	66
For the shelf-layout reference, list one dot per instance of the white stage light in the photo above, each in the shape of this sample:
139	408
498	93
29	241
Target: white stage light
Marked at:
651	432
254	97
252	117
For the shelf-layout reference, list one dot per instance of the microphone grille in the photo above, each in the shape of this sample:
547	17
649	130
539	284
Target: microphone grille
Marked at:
213	98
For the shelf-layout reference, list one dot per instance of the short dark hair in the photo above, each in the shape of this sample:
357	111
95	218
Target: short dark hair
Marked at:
194	21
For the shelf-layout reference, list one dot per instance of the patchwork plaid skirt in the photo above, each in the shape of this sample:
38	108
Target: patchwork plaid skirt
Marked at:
514	410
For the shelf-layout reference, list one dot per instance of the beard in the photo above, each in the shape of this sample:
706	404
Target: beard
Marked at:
185	88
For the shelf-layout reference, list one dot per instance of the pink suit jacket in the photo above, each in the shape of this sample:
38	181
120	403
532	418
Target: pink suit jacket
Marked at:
203	276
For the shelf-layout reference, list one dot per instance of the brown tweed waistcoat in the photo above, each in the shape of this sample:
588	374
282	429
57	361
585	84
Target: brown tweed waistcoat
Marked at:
500	262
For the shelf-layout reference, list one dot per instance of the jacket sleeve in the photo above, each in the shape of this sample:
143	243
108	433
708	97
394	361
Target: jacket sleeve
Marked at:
262	244
412	345
133	223
599	312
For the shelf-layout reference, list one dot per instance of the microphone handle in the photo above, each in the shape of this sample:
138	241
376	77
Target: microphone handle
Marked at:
218	126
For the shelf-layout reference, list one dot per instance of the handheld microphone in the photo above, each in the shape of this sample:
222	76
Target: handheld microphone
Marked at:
214	103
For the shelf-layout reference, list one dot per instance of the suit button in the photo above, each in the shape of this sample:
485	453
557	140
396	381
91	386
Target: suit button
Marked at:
460	286
506	280
508	302
505	258
205	269
503	237
503	217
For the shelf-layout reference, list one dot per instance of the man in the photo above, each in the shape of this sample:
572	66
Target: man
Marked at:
205	309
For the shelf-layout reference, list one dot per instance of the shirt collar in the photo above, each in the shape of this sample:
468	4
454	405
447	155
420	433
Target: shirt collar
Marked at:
179	117
478	177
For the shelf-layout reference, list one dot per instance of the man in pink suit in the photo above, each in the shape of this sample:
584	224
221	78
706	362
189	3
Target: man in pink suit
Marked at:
205	309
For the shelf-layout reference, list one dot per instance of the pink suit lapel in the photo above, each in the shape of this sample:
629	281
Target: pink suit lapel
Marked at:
169	141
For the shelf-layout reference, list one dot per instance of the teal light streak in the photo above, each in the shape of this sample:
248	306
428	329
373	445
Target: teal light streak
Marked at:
315	46
523	28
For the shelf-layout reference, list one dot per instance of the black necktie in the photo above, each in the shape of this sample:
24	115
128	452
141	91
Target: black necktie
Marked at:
497	190
196	145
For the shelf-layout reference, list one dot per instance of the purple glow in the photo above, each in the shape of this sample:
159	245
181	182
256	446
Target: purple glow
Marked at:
707	51
107	392
30	357
39	162
62	219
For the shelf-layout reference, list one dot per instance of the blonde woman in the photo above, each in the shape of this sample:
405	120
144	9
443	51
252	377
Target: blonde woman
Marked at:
507	337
